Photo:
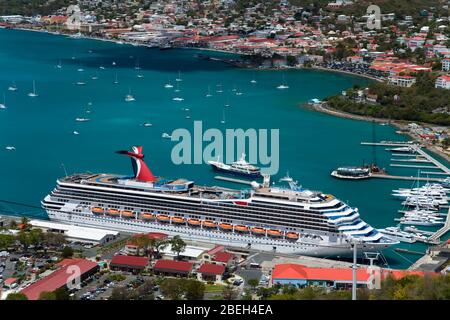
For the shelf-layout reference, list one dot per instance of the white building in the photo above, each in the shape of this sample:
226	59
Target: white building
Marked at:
402	81
76	233
443	82
446	64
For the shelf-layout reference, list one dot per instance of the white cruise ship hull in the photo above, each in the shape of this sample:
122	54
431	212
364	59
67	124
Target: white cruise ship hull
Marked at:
318	248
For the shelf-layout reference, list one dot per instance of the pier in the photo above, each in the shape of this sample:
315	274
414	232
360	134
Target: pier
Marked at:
233	180
442	230
415	157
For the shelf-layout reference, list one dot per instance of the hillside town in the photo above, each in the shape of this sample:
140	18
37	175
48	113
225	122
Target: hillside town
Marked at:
38	258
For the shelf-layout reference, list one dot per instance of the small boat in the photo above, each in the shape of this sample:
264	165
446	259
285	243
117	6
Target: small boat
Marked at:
127	214
166	136
178	220
168	85
226	226
194	222
12	87
258	231
162	218
241	228
274	233
129	97
402	149
209	224
283	85
116	80
82	119
3	105
146	124
10	148
95	77
177	99
97	210
239	93
33	93
188	117
76	133
102	67
240	168
396	233
353	173
147	216
223	117
209	92
80	83
292	235
59	65
140	76
113	212
179	77
253	81
220	88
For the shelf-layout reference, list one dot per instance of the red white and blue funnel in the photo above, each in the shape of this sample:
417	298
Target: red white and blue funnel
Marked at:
141	171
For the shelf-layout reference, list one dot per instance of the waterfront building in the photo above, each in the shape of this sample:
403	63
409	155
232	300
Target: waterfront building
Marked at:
77	233
402	81
337	278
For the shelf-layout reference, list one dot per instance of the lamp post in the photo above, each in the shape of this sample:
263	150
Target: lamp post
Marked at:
354	267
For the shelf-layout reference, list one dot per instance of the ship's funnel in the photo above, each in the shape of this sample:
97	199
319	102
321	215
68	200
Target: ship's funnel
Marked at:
141	171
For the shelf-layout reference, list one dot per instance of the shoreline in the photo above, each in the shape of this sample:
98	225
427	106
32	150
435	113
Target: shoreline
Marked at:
398	124
333	112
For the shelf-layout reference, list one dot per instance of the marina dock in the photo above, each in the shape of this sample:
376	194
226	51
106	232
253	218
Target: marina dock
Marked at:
415	158
443	230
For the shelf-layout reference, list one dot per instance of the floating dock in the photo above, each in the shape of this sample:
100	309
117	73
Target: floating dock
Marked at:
438	234
411	178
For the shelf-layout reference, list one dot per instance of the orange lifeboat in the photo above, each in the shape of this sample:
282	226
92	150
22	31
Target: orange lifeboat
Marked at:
194	222
147	216
274	233
226	226
127	214
241	228
113	212
163	218
292	235
258	231
209	224
178	220
97	210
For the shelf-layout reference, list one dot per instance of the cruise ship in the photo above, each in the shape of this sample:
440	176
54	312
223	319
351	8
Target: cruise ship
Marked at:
270	218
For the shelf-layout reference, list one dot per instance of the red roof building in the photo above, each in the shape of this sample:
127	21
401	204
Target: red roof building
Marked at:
172	267
128	263
300	275
210	272
60	278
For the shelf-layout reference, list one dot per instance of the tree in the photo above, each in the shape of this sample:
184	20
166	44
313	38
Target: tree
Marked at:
16	296
67	252
229	293
178	245
145	291
54	239
172	288
194	290
46	295
6	240
160	244
120	293
253	283
25	223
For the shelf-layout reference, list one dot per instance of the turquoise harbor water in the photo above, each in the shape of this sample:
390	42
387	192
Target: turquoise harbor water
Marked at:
41	128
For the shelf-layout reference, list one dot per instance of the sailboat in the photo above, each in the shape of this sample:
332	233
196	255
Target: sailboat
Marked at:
253	80
140	76
220	88
33	94
95	77
283	85
59	65
168	85
81	82
129	97
137	65
116	81
209	92
223	117
228	102
178	88
179	77
3	105
12	87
